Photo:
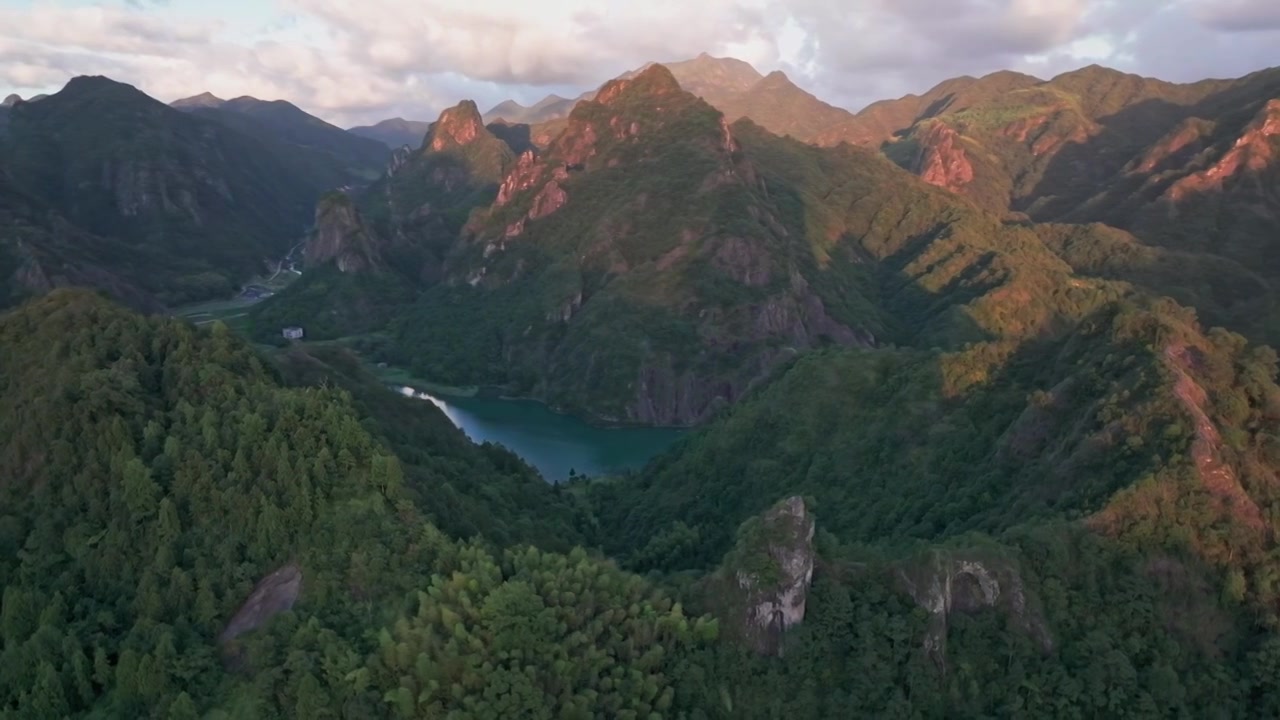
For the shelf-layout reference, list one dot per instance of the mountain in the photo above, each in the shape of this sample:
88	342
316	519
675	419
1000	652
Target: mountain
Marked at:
200	205
11	100
40	250
371	252
655	263
956	455
712	78
394	133
357	158
1183	167
203	100
552	107
1095	509
198	555
773	102
738	90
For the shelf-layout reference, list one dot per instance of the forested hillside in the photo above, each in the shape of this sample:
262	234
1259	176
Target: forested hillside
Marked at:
969	440
172	204
653	266
155	473
158	477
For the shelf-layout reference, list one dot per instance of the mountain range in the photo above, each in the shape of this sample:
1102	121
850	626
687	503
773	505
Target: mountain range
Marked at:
981	421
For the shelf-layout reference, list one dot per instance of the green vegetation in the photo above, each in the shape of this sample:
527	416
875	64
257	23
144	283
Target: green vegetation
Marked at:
671	281
1096	145
331	150
154	472
1040	488
143	200
329	304
465	490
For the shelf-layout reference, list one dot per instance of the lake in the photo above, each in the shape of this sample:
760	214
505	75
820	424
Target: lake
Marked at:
551	442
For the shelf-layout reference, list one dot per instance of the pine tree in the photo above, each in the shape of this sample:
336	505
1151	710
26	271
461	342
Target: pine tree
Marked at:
183	708
140	491
47	699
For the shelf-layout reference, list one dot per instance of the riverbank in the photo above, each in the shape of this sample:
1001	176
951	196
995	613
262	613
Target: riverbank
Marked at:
559	445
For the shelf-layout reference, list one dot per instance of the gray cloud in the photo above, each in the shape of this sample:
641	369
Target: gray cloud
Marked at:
353	62
1239	15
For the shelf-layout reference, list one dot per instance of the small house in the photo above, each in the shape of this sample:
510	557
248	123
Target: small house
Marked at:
293	333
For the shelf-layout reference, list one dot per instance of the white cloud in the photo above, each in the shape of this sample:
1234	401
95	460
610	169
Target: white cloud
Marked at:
349	61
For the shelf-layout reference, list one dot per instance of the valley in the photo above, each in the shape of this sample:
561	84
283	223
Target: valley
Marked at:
559	446
692	395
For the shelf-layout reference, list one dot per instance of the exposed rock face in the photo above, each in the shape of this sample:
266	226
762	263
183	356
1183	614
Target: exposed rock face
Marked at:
1188	136
11	100
399	158
948	584
664	396
1217	475
273	595
743	261
1253	151
551	198
521	178
458	125
772	567
139	187
942	160
341	237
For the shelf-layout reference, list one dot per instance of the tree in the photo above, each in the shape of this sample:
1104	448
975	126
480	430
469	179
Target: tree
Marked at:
140	491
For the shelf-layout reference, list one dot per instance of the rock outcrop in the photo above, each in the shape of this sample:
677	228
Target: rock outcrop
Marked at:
341	237
1253	151
399	158
954	582
273	595
459	125
942	160
771	568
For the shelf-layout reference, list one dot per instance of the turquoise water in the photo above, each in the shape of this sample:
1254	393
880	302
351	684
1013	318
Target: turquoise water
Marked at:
551	442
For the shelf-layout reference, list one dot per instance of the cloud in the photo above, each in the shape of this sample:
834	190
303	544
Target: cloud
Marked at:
355	62
1238	15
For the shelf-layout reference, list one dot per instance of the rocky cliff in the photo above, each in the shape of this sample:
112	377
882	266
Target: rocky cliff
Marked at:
341	237
274	594
768	573
459	125
949	582
645	210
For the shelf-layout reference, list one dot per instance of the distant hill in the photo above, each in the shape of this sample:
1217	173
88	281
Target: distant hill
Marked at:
203	100
191	204
370	254
552	107
359	158
395	133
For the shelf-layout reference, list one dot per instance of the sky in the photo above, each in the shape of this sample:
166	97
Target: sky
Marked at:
358	61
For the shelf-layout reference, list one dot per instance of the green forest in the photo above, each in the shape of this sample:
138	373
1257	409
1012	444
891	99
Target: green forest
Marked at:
156	472
956	449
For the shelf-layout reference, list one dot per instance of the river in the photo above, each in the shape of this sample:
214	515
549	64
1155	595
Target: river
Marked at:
551	442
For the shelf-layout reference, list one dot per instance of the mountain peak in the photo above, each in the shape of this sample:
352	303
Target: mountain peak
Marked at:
12	100
203	100
459	125
98	87
92	83
711	77
655	79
